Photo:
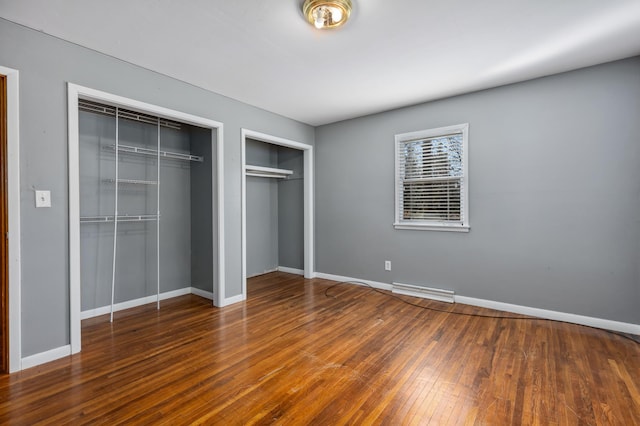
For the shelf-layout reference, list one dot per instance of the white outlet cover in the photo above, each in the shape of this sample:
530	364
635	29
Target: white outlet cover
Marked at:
43	199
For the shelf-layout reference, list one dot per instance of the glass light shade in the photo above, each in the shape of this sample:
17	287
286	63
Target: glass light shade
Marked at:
327	13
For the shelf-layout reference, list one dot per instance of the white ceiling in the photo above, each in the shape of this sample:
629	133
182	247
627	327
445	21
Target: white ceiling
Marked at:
264	53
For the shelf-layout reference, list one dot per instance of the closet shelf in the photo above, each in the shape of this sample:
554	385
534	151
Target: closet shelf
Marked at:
154	153
121	218
267	172
132	181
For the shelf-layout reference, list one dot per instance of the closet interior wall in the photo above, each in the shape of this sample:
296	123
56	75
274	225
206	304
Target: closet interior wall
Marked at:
203	234
275	210
291	209
186	234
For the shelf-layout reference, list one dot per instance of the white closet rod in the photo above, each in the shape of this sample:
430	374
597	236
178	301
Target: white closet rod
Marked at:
268	172
132	181
156	153
265	175
121	218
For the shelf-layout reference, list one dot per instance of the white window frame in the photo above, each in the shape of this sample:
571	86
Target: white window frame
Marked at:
425	225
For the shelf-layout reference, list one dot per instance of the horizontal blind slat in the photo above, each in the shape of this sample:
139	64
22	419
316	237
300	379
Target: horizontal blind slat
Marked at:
430	178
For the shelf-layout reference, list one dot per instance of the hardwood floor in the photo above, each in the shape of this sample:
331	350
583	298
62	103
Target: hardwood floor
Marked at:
294	355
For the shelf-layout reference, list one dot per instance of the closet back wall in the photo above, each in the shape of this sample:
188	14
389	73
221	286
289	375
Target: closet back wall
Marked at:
291	209
203	233
275	210
262	210
46	64
175	212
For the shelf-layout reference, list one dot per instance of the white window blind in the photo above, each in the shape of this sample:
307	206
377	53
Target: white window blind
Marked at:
431	179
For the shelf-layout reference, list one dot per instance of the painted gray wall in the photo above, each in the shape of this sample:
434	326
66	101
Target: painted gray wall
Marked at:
204	248
258	153
291	209
554	169
262	210
175	217
46	64
275	210
262	225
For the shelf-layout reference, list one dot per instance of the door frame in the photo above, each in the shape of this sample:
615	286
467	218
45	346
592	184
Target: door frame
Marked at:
13	210
309	197
74	93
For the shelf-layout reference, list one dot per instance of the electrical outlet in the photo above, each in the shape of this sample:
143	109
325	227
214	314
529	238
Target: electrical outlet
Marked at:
387	265
43	199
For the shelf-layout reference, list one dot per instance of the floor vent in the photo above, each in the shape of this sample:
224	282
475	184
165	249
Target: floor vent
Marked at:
424	292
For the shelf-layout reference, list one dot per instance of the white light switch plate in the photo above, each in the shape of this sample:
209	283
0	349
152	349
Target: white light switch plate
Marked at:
43	198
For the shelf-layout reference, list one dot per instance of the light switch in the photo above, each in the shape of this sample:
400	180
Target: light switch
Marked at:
43	198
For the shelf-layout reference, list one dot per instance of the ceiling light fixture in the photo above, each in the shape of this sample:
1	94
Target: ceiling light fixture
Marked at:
326	13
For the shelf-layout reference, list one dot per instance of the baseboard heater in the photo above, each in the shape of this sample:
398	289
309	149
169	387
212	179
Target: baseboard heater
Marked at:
439	294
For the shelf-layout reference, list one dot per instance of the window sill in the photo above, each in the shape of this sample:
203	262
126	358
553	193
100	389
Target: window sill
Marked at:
430	227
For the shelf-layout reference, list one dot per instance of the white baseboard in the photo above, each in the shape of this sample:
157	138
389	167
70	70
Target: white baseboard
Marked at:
231	300
356	281
268	271
90	313
202	293
290	270
43	357
606	324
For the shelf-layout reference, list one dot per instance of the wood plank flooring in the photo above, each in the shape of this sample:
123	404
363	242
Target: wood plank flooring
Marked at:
292	354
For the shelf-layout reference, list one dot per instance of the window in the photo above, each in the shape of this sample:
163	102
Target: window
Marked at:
431	179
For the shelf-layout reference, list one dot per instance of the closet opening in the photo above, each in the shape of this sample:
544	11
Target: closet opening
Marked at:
277	210
145	211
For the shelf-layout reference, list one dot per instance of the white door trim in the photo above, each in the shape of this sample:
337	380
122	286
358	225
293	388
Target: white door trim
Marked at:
309	197
74	93
13	197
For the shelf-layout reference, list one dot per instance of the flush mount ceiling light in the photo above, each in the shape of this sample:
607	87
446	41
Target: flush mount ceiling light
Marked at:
326	13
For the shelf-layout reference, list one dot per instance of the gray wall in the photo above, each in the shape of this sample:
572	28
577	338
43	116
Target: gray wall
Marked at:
175	216
262	210
262	225
204	247
258	153
275	210
291	209
46	64
554	169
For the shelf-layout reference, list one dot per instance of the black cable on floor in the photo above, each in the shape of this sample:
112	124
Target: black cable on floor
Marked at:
385	293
